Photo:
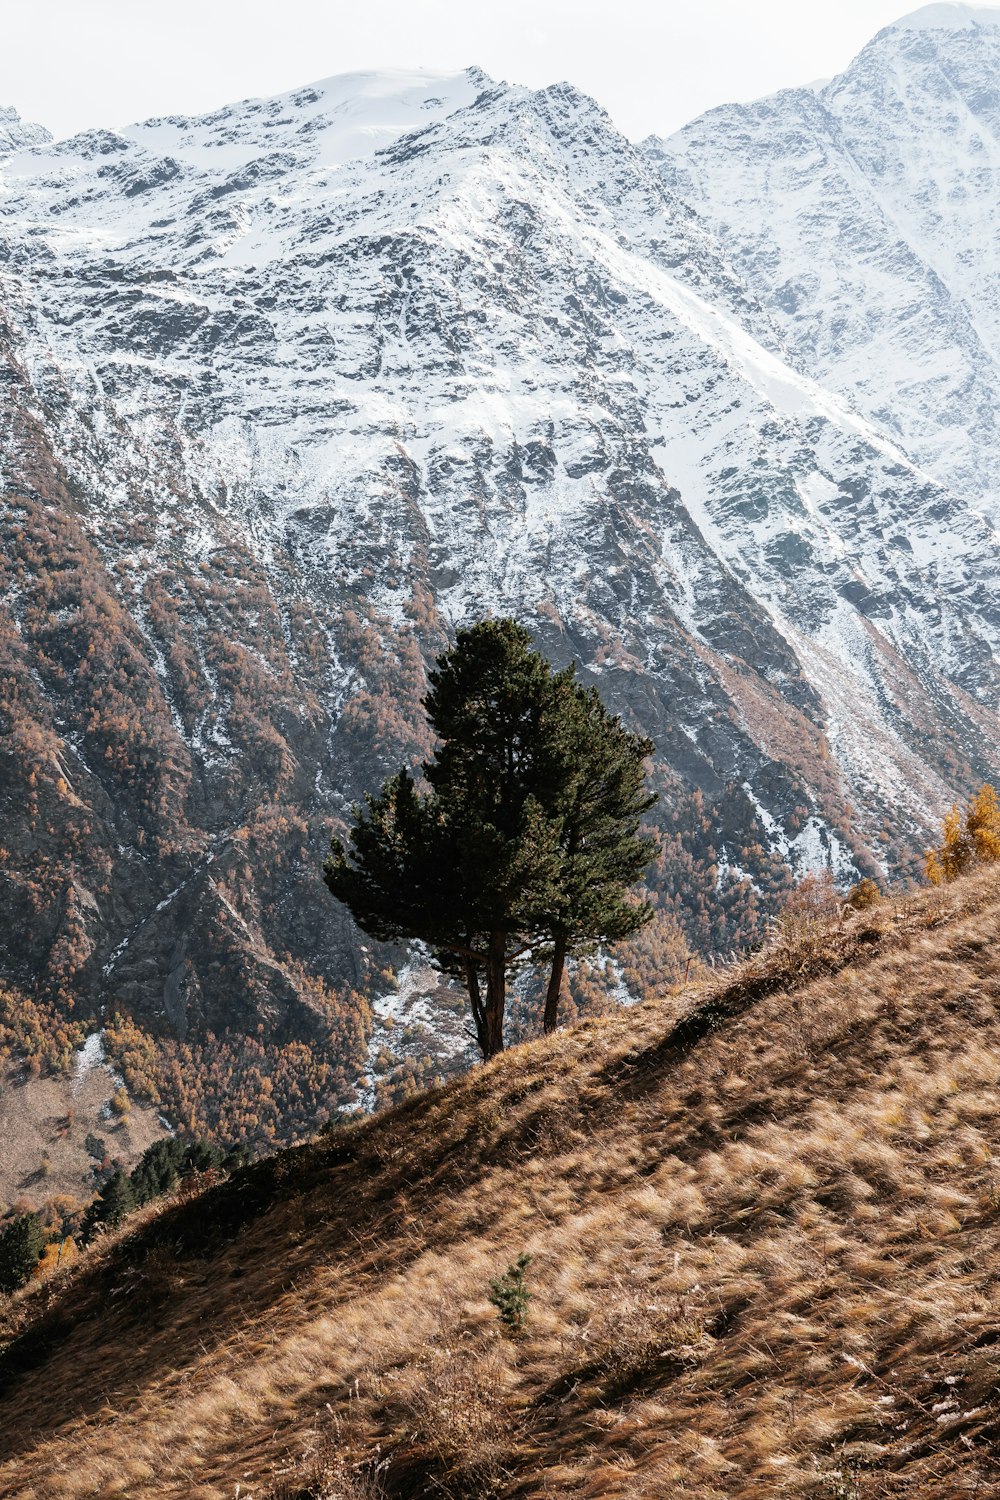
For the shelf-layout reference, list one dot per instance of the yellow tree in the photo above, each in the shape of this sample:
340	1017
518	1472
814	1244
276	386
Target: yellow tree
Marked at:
966	841
982	824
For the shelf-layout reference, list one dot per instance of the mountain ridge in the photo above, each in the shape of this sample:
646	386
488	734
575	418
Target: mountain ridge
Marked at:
275	424
951	16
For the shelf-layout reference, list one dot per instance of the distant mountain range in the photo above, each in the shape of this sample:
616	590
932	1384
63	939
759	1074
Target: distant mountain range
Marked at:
292	389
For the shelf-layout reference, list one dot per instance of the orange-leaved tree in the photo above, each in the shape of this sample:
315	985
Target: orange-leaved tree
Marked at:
968	839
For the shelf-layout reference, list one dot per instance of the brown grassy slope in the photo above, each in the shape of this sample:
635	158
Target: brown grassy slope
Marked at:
766	1263
44	1126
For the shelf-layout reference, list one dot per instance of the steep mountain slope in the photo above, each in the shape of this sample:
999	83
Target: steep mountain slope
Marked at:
864	215
294	388
764	1222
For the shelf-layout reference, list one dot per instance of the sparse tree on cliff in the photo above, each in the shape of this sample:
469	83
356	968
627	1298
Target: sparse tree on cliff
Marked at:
526	840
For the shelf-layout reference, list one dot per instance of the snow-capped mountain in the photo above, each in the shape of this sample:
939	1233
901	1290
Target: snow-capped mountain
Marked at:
866	215
295	387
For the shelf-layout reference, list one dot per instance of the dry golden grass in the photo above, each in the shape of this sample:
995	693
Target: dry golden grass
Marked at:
48	1120
765	1222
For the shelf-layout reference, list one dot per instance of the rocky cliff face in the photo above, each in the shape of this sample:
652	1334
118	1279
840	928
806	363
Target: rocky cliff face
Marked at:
16	133
291	390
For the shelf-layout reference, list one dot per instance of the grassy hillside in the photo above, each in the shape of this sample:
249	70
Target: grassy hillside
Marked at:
56	1129
765	1222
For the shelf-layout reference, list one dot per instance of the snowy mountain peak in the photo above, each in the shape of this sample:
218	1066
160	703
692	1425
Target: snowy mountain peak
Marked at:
16	134
344	118
947	17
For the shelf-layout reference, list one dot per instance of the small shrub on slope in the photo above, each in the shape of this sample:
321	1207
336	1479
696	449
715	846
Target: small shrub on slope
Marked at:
510	1296
812	904
801	932
863	895
55	1257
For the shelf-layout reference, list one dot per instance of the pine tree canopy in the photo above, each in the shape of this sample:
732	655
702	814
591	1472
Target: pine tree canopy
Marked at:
165	1162
527	839
22	1241
113	1204
602	853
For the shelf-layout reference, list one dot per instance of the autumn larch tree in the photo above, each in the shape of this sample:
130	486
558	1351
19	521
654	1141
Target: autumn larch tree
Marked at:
527	838
967	840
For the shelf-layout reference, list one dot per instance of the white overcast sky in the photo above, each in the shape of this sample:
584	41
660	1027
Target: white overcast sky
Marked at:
71	64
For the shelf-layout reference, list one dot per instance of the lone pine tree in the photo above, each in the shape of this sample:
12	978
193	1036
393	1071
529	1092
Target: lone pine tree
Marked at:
527	840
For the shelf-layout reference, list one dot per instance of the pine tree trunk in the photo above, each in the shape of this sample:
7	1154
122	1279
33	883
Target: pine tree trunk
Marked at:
555	983
476	1000
496	996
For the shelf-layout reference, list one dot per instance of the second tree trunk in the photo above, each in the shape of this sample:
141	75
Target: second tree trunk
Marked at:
555	983
496	993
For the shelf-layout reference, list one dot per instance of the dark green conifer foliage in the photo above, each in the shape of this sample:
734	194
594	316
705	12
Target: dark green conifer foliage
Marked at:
395	885
201	1156
510	852
602	852
22	1241
510	1296
237	1158
158	1170
111	1206
165	1162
